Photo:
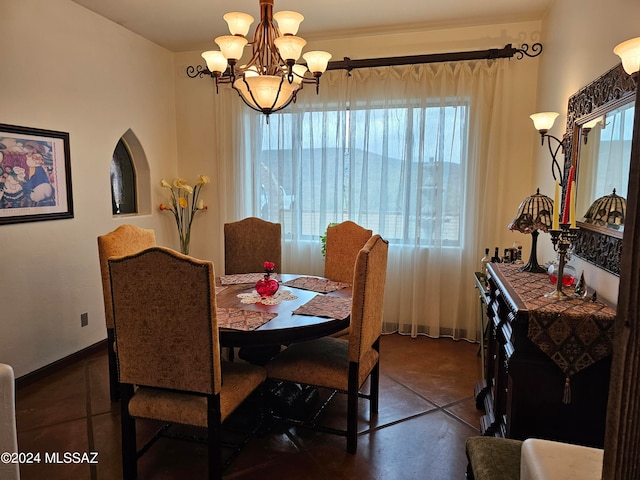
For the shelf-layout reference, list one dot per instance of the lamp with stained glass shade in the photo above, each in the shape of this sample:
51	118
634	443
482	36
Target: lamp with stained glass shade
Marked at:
608	211
535	214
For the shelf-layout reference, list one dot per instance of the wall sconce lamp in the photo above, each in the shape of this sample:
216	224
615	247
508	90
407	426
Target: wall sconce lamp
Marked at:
543	122
586	128
629	53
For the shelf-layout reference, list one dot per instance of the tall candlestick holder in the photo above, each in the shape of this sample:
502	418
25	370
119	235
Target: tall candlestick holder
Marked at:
562	240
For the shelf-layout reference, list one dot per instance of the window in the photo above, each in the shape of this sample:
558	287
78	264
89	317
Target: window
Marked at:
400	171
123	181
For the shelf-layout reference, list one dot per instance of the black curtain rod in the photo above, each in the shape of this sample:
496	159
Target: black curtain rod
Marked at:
507	51
348	64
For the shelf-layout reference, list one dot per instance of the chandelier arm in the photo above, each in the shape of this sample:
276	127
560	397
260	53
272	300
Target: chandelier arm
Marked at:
264	52
276	59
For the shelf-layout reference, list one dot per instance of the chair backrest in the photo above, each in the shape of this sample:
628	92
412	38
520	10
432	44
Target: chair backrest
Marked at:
124	240
249	243
343	243
8	433
166	330
368	297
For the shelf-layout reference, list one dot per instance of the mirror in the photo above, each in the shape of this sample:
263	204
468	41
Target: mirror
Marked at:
603	166
601	112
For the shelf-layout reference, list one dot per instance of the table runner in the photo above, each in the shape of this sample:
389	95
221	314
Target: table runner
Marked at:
320	285
237	319
326	306
574	333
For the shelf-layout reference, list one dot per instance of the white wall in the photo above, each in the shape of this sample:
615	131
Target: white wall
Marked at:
579	36
67	69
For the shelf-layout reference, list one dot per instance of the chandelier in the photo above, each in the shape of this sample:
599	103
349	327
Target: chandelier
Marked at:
271	79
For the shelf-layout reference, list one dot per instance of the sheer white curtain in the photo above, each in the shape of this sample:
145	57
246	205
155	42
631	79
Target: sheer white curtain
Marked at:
409	152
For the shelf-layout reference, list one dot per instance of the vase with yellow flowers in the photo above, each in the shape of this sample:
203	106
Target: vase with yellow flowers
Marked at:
185	203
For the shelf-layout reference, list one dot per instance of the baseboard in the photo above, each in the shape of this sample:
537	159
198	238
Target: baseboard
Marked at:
58	365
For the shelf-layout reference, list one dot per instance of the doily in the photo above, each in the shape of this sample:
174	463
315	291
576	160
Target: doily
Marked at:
279	297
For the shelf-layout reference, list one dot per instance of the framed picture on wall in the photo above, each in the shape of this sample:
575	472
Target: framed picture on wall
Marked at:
35	181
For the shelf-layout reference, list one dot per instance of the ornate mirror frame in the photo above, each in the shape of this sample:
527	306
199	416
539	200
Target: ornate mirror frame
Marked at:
597	245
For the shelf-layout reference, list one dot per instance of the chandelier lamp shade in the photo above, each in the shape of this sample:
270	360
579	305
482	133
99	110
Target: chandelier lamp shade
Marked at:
272	77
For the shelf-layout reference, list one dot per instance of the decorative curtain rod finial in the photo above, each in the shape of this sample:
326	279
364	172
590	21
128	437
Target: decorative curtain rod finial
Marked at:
536	49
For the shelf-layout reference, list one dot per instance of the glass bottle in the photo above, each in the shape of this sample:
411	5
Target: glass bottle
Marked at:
483	262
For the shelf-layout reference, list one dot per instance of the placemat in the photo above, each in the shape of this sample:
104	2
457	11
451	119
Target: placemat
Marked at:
326	306
320	285
274	299
246	320
240	278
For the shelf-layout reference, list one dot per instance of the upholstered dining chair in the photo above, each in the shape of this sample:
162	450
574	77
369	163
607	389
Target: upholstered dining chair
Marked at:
345	364
164	308
343	244
250	242
8	432
124	240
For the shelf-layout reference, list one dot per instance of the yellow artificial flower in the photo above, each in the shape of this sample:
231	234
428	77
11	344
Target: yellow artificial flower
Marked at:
184	205
203	180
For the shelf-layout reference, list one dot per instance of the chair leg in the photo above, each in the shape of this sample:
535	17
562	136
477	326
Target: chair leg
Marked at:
114	390
128	427
375	381
374	389
352	409
213	438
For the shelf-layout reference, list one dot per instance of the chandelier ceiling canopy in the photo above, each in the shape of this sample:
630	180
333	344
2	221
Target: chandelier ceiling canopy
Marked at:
271	79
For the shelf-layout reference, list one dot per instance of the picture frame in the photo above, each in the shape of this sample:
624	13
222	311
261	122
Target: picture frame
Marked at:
35	175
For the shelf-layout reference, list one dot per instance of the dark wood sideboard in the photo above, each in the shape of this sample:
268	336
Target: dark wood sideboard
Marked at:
548	361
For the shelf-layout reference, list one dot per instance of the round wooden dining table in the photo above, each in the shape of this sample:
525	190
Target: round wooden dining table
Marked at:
286	327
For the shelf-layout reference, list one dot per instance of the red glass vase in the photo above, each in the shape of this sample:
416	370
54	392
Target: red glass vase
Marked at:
267	286
568	275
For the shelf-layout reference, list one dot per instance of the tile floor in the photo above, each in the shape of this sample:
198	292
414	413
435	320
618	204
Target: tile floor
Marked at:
426	413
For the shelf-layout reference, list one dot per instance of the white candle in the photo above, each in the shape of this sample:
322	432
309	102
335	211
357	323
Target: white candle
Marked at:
556	208
572	205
